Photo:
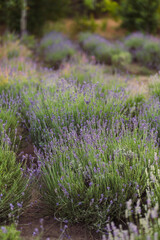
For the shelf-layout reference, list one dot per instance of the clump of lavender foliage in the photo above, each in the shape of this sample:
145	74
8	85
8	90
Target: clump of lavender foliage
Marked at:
55	48
104	50
97	148
145	49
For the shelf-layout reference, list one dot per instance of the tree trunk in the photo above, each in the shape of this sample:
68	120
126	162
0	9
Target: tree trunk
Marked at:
24	18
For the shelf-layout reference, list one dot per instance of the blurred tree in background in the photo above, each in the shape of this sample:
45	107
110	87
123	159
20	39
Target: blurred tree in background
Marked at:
112	7
10	14
40	11
99	7
140	15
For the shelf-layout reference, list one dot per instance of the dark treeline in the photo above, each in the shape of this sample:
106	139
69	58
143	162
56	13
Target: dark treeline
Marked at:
141	15
40	11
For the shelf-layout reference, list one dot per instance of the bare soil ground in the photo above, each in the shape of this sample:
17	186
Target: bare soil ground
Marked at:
34	224
50	228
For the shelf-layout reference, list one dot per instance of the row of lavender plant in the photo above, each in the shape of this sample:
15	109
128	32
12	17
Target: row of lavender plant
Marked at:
96	150
13	182
104	50
14	177
54	48
136	47
145	49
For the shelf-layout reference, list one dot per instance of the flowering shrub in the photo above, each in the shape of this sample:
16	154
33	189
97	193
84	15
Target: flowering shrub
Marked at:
134	41
71	107
12	184
54	47
104	50
14	180
95	149
121	59
97	146
150	54
90	175
137	47
145	49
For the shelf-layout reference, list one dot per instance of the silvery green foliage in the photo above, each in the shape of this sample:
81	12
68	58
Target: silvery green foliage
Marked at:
55	47
104	50
145	49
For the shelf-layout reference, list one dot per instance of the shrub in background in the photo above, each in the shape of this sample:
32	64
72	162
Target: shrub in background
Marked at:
55	47
121	59
13	54
104	50
12	48
150	54
141	15
83	36
134	42
145	49
86	179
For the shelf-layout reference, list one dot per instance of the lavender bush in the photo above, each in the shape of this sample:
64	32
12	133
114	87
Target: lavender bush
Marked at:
13	184
137	47
55	47
97	146
96	150
92	145
91	175
134	42
71	107
104	50
145	49
14	179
